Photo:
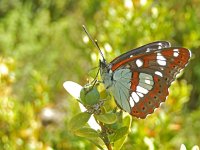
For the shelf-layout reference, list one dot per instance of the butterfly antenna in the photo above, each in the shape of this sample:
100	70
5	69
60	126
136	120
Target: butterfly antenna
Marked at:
94	42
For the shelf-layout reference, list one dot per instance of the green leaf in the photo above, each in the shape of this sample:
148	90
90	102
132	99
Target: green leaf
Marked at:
105	95
79	121
91	135
87	132
110	104
120	133
127	121
108	118
82	95
98	142
119	143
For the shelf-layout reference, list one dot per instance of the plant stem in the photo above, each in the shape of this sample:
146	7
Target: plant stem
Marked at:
105	136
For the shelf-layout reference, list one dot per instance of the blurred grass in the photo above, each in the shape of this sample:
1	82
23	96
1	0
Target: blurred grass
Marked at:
41	46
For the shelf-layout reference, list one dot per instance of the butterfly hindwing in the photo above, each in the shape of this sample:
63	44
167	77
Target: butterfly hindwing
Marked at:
153	68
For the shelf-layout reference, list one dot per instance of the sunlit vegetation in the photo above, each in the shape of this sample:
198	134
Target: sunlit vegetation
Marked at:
42	44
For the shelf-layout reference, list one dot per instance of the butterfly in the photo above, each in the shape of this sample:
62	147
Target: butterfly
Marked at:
140	78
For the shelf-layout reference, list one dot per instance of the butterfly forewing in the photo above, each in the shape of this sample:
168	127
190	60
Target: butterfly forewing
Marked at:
153	68
141	50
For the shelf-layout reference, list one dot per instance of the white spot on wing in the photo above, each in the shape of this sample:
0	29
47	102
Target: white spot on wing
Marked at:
145	76
139	63
147	81
146	86
140	94
141	90
131	56
161	60
176	54
148	50
132	103
160	56
176	50
159	73
135	97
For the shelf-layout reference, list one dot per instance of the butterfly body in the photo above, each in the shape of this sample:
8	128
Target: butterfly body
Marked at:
139	79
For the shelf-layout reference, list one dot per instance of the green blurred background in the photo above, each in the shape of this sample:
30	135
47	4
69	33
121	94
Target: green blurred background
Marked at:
42	44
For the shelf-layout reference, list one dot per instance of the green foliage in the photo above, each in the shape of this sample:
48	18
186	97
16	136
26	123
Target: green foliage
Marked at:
112	126
107	118
79	121
87	133
42	45
119	133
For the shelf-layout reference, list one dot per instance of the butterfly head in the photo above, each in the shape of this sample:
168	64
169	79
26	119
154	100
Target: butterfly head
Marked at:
103	64
106	74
